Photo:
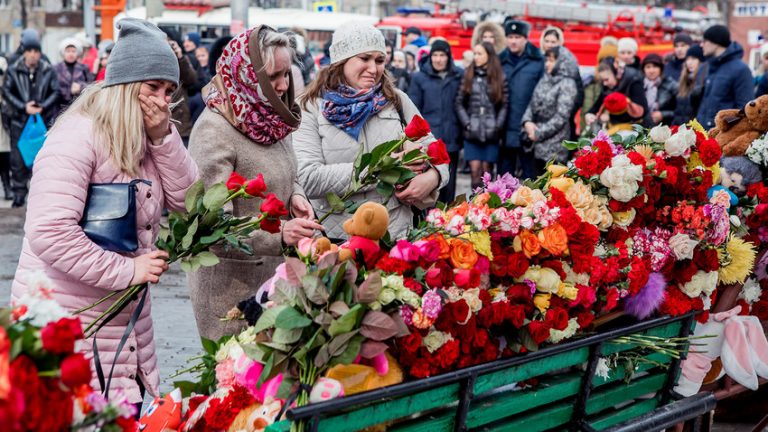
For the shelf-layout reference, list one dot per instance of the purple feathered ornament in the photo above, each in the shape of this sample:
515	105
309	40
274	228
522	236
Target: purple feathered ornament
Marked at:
649	298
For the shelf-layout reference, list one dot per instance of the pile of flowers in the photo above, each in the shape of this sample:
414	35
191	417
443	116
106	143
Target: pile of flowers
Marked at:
44	378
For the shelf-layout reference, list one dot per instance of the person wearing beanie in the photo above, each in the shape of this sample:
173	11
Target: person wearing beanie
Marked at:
762	85
72	75
113	133
414	37
351	107
660	90
729	79
191	42
248	125
433	90
681	43
30	88
523	66
691	86
627	49
100	66
29	37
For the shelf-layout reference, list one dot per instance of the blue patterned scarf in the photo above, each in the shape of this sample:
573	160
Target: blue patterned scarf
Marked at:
348	109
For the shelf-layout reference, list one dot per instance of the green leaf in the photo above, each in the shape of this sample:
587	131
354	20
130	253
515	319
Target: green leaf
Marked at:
268	317
337	278
215	197
385	189
186	242
214	237
286	336
338	344
322	357
338	308
346	322
209	346
267	371
494	201
405	176
290	318
185	265
315	289
337	205
390	176
411	156
571	145
378	326
350	353
207	259
194	193
187	388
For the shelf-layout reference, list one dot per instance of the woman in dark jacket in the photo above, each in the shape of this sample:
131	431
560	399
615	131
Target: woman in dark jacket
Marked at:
481	105
547	121
660	91
691	86
622	102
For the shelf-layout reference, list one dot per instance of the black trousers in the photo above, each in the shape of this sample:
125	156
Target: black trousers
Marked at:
519	163
448	193
20	174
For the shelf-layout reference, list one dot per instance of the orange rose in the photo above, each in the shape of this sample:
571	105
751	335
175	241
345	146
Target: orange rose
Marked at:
463	255
461	210
554	239
445	248
529	243
481	199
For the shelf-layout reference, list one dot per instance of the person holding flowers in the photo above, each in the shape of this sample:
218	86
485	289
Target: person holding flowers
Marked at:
349	109
246	126
622	102
116	131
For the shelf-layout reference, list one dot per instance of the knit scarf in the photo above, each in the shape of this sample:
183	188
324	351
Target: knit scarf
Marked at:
235	94
348	109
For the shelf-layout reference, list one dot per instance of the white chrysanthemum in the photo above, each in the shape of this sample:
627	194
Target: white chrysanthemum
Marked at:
751	291
660	134
248	336
41	311
758	151
700	283
555	336
603	370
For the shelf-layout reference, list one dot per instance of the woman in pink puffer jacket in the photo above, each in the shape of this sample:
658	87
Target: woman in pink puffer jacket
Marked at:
114	132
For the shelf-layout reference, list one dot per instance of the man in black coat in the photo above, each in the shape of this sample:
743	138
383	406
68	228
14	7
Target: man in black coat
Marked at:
30	88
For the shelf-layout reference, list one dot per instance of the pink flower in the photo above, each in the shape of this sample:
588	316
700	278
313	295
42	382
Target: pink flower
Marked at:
429	250
405	251
483	265
225	373
431	304
406	313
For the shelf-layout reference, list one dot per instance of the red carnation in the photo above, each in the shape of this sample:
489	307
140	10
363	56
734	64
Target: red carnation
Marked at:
517	264
760	310
410	343
616	103
611	299
413	285
467	278
516	315
539	331
638	275
59	337
417	128
256	187
438	153
710	152
585	319
273	207
75	370
420	369
388	264
236	181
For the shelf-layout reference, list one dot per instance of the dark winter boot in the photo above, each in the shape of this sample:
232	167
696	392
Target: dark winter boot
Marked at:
6	178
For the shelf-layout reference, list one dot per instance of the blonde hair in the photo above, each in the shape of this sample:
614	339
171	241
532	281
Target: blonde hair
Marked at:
118	122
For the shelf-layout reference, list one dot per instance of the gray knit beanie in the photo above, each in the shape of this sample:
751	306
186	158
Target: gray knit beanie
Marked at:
141	53
352	39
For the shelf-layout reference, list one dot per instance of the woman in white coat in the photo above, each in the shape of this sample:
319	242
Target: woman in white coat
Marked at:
353	106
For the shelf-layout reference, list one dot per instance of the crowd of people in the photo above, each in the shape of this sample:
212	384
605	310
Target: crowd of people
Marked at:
255	104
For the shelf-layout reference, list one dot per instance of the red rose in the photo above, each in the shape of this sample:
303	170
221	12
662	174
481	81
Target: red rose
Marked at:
519	293
585	319
413	285
467	278
420	369
447	355
127	424
499	265
410	343
517	264
75	370
236	181
557	318
760	310
539	331
273	206
270	225
23	375
516	315
417	128
59	337
611	299
710	152
616	103
437	153
256	187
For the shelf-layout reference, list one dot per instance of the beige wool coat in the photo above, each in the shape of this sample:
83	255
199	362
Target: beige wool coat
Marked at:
219	148
326	156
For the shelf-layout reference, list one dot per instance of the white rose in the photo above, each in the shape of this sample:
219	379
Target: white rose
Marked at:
386	296
680	142
660	134
611	177
633	172
682	245
624	219
435	339
624	192
709	282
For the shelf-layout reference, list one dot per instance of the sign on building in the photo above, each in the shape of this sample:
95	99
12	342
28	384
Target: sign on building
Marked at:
324	6
750	10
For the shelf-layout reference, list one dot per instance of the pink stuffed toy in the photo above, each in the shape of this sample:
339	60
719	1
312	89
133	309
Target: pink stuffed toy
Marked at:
740	343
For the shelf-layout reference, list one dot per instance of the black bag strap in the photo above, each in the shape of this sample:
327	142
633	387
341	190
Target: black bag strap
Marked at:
123	340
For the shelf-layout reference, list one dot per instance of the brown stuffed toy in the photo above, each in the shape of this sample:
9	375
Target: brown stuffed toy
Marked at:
366	227
736	129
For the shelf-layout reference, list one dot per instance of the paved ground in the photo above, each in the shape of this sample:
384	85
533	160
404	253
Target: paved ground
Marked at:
175	331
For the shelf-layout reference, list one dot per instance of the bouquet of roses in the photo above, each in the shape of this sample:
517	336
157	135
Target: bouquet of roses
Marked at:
189	236
382	169
44	378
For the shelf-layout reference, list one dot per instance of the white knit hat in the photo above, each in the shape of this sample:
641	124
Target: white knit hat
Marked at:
627	44
70	41
352	39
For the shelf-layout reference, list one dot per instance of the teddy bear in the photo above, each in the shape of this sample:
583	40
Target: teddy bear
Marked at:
738	172
367	226
736	129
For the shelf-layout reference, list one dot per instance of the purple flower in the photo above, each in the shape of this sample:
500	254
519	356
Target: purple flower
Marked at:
531	285
407	314
504	186
431	304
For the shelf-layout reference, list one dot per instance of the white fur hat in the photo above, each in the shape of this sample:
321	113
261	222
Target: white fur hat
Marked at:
352	39
627	44
70	41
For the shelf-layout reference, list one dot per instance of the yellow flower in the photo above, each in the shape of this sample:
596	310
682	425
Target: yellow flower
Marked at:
567	291
623	219
541	301
481	241
694	161
736	260
557	170
561	183
696	126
